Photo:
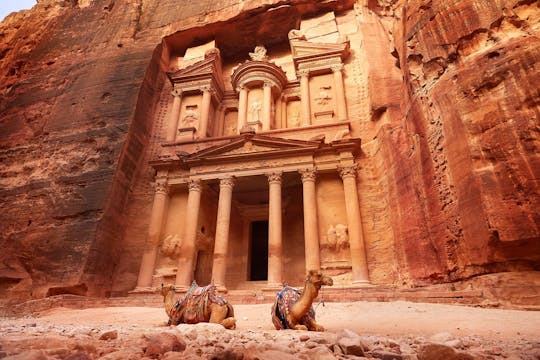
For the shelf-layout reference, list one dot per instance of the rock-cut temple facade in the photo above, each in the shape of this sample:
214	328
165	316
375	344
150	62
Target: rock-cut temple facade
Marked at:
256	173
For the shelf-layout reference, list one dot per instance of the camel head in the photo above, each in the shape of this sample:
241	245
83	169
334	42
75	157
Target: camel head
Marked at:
165	290
318	279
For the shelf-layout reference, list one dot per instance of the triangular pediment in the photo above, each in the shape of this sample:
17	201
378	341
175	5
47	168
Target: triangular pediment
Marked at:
304	48
209	67
251	146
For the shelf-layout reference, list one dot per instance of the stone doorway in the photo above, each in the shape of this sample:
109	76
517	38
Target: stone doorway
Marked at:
258	254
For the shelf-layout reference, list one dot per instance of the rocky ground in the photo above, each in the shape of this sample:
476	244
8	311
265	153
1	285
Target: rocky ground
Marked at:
359	330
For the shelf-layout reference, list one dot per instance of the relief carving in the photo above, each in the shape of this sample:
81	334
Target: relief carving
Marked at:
255	110
191	116
161	187
324	95
295	119
171	246
335	244
259	54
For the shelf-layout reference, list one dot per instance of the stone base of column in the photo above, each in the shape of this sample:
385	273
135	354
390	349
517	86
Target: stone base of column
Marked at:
143	290
222	289
271	289
181	289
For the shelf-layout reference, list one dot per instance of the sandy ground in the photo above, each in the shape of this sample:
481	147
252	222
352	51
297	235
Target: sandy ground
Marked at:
369	318
388	328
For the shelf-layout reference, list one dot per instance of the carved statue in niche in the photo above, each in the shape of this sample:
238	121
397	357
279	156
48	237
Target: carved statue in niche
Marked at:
255	110
295	119
230	129
191	116
259	54
337	237
335	245
324	95
171	246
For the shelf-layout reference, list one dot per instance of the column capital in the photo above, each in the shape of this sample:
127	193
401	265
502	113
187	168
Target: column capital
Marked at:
337	67
308	174
348	171
195	185
161	187
302	73
176	92
227	182
241	87
267	83
208	89
275	177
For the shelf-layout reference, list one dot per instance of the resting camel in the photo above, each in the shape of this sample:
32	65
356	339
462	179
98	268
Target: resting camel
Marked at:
200	304
292	308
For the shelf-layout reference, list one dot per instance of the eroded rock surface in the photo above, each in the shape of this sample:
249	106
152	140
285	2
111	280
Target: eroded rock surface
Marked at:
449	186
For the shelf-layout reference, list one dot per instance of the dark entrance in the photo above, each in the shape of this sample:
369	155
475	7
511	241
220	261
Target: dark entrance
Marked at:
259	251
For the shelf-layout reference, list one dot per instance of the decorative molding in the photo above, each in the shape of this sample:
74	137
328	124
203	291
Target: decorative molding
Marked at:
274	177
252	73
348	171
194	185
176	92
308	174
161	187
227	182
302	73
336	67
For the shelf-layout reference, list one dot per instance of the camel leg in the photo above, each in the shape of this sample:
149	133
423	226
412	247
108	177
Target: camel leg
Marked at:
294	325
218	316
313	326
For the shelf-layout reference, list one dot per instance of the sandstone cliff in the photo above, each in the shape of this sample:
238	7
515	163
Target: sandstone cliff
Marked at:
451	143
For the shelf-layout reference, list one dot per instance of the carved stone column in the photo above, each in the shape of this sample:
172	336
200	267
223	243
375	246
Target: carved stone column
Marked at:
172	124
205	111
279	113
311	224
148	262
354	222
267	106
340	92
284	123
242	107
186	261
221	122
222	232
304	97
274	230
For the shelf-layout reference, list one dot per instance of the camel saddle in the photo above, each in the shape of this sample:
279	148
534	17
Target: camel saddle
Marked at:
194	307
285	299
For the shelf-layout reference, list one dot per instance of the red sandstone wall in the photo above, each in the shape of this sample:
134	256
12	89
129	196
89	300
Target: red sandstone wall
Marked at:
452	180
466	195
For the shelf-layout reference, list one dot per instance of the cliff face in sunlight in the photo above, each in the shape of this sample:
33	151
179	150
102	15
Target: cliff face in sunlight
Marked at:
451	146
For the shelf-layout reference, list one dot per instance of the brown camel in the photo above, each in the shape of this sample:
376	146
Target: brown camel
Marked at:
292	308
200	304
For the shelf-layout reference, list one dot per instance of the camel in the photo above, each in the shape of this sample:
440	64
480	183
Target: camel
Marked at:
200	304
292	308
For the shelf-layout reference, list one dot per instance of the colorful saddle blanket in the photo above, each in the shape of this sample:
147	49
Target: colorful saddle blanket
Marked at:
194	307
285	299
